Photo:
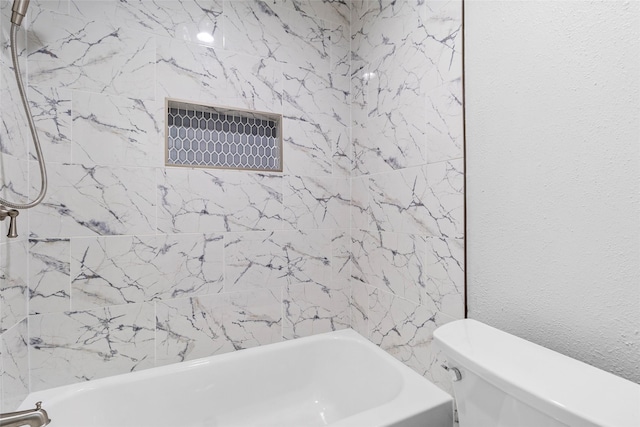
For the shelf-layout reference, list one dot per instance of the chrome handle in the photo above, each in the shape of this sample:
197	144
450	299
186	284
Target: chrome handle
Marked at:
455	372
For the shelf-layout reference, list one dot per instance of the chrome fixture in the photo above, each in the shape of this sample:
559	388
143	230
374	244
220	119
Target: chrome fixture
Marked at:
18	11
31	417
455	372
12	214
7	208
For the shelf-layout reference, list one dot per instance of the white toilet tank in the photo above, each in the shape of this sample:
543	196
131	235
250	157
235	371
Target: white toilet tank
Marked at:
506	381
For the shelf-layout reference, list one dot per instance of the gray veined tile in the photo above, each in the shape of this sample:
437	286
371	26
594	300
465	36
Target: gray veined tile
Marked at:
92	52
403	328
311	309
78	346
51	109
444	123
179	19
49	276
190	328
257	260
286	35
341	258
212	76
14	366
445	281
360	308
316	202
308	148
14	185
123	270
360	207
110	130
211	200
200	326
391	262
327	10
95	200
398	202
13	283
14	133
445	199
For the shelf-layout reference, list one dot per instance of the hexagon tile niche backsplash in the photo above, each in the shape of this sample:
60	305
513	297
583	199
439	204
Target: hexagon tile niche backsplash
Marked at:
204	136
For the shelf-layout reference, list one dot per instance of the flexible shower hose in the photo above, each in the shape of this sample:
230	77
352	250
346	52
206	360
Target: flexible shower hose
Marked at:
32	127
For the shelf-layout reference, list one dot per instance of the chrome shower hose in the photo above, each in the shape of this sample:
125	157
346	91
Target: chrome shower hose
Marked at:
32	127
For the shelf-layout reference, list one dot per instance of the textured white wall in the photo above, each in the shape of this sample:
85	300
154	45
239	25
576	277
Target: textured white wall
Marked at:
553	171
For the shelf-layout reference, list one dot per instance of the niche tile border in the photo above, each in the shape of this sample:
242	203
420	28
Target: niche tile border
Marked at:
210	136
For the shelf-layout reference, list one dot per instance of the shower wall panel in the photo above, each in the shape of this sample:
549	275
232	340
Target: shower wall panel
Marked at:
132	264
407	213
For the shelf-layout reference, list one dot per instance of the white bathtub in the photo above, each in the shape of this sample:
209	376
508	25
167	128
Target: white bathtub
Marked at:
336	379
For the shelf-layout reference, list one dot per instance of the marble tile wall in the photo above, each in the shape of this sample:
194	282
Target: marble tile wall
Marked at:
129	264
407	213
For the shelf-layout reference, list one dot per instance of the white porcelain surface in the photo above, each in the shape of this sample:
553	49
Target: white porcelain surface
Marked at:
525	374
337	379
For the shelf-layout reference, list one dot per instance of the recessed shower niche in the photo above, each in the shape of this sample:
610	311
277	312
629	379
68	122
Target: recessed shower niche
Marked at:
218	137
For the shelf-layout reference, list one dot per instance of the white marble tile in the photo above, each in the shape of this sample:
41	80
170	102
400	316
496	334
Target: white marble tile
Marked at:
381	26
15	366
360	308
389	142
341	258
256	260
337	11
13	283
308	148
260	29
51	109
95	200
445	278
14	132
319	96
201	326
445	199
123	270
343	154
316	202
91	10
179	19
391	262
316	111
443	45
109	130
403	329
360	206
445	128
88	50
397	201
340	39
211	76
49	276
79	346
14	184
310	309
253	318
61	6
190	328
205	200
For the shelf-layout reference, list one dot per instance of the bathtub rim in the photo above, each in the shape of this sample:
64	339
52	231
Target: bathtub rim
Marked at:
416	396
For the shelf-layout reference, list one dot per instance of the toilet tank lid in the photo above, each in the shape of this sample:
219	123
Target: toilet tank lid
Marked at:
558	385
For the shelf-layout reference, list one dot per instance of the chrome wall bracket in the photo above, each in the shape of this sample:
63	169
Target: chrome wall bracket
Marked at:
12	214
